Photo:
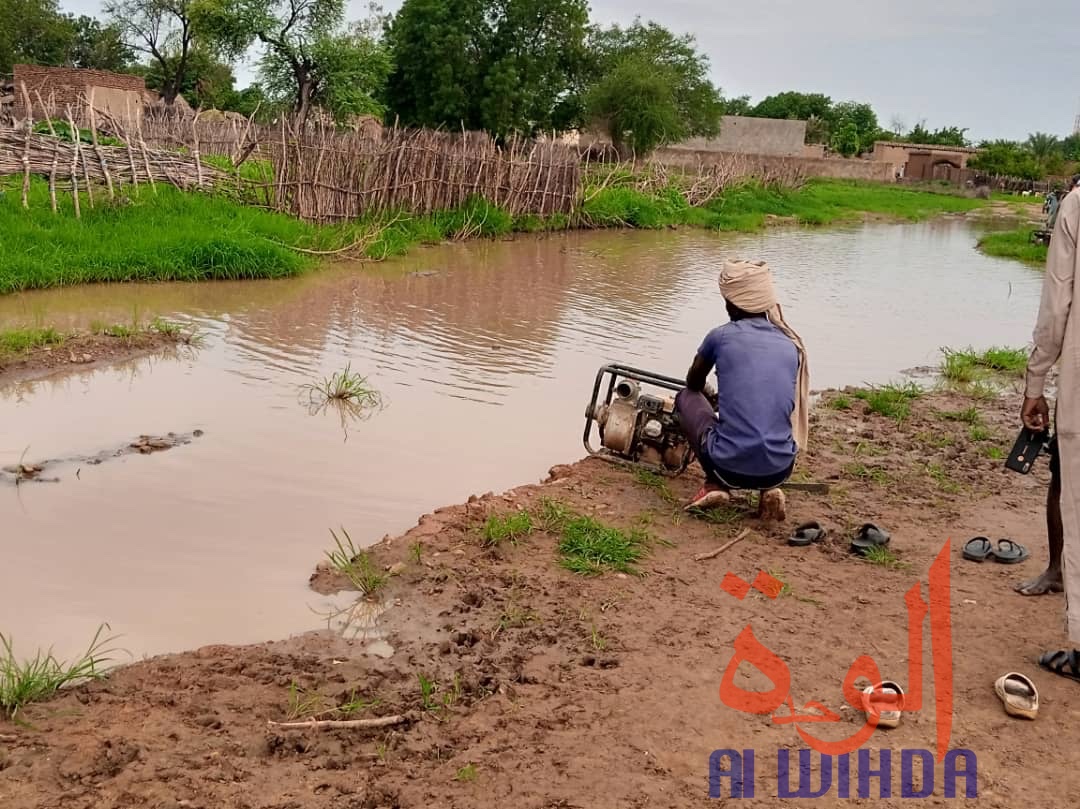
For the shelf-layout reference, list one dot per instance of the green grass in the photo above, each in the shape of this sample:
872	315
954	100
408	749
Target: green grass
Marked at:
466	773
344	386
979	433
965	366
863	472
589	547
839	402
507	527
19	341
176	236
748	206
993	453
1014	244
356	565
881	556
657	483
969	416
940	476
38	678
891	401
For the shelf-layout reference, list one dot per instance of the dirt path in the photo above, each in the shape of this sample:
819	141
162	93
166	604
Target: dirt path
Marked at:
524	684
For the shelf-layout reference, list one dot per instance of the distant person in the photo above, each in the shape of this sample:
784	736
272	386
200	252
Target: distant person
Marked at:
1057	340
749	440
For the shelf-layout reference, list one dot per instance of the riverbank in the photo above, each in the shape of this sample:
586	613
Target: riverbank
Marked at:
518	680
1015	244
30	353
173	235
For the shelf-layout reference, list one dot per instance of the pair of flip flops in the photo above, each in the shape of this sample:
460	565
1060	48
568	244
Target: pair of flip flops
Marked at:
869	537
1018	694
1007	552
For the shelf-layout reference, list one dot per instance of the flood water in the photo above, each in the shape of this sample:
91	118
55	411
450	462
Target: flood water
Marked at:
484	354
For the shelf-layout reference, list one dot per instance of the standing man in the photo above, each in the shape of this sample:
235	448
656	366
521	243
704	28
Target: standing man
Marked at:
1057	338
750	439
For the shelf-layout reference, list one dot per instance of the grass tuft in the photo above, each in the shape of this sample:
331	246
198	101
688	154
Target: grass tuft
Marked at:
969	416
356	565
967	366
509	527
589	547
881	556
19	341
466	773
345	386
891	401
42	676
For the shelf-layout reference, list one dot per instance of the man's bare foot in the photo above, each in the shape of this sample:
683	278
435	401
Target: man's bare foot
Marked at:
1048	582
773	505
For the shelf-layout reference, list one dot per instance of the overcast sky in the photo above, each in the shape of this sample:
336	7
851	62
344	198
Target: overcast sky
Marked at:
982	64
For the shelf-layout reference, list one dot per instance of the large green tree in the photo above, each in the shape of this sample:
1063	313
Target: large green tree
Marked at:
307	55
852	116
795	106
35	31
669	99
945	136
1009	159
501	65
164	32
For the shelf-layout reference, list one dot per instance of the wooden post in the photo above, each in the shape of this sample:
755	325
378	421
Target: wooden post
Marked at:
97	147
56	152
26	146
74	165
195	147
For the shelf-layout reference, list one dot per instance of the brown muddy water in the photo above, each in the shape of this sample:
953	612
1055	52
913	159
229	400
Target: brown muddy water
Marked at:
484	353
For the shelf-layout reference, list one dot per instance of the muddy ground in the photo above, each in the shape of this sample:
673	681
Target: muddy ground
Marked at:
552	689
88	350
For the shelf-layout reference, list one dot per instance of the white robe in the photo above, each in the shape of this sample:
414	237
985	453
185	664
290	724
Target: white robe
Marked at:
1057	339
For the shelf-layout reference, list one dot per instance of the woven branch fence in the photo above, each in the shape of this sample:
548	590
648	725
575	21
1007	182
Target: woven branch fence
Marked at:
325	175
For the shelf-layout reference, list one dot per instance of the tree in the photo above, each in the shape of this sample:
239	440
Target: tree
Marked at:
860	117
307	53
945	136
1070	147
348	73
534	63
207	82
737	106
846	139
675	76
96	46
163	30
637	102
1007	158
1043	145
501	65
796	106
32	31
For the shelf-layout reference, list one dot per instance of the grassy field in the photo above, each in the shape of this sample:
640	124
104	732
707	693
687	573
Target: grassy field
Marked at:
1014	244
175	236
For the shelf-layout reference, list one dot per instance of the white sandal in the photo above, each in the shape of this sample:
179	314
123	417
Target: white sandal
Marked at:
884	700
1018	694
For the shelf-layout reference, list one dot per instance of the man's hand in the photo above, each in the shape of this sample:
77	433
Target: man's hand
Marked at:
1035	413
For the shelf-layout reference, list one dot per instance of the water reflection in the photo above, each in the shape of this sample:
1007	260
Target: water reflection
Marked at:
486	353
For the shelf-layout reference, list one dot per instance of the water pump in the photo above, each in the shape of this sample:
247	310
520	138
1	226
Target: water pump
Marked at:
636	424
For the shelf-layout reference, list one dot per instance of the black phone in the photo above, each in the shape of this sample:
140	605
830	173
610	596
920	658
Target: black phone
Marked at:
1026	449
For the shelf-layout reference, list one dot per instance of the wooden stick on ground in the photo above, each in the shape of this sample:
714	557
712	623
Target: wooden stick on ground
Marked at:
381	722
701	557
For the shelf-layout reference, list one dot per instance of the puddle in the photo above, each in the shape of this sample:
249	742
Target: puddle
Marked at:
483	355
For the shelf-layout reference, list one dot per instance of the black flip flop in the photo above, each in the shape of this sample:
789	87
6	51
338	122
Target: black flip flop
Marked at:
1064	663
1008	552
978	549
869	536
807	534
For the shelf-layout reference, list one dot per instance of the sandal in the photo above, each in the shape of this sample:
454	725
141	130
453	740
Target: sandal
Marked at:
869	536
886	701
978	549
807	534
1010	553
1018	694
1064	663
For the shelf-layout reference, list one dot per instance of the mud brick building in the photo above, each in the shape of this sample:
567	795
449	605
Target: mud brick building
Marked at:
118	94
